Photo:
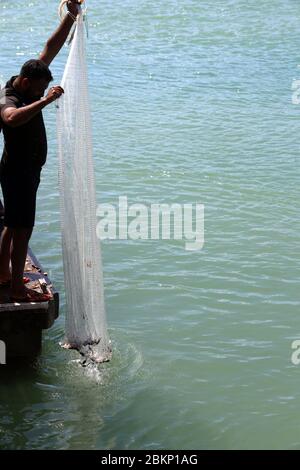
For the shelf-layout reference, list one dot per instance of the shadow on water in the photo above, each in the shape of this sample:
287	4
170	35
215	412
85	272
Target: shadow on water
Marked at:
18	369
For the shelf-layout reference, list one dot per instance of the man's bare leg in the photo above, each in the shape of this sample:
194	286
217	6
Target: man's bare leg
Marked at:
5	249
20	240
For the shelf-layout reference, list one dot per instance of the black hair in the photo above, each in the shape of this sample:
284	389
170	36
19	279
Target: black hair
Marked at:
36	69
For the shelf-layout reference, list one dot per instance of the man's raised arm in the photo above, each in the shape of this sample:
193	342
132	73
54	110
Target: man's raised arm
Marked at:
57	40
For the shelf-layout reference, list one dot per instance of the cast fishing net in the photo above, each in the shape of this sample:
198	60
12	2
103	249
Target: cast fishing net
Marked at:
86	328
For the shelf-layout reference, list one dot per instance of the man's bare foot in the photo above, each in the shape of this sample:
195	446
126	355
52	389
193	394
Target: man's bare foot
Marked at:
29	295
22	292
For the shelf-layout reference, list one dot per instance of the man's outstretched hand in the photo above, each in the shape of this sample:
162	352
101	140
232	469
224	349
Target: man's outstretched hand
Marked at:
53	94
73	6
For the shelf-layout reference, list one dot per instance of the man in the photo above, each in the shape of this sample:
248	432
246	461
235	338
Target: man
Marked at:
25	151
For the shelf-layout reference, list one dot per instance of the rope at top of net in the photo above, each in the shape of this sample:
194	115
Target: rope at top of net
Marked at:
62	4
62	14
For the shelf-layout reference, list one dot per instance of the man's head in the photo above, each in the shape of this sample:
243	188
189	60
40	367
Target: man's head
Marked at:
34	79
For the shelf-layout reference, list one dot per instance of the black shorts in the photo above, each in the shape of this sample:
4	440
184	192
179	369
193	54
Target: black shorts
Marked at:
19	194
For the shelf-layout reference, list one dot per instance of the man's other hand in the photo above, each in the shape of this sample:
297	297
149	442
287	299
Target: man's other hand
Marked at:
53	94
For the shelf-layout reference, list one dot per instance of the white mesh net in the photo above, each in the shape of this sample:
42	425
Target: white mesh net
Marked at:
85	316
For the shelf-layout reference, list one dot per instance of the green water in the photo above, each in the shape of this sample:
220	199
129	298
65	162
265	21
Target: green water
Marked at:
191	102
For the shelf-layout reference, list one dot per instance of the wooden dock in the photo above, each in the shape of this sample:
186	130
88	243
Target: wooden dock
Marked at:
21	324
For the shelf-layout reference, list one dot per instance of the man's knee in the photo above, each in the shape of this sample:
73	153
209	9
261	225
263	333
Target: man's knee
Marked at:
22	233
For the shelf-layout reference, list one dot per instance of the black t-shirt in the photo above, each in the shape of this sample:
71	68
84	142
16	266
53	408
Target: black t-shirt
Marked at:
25	147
